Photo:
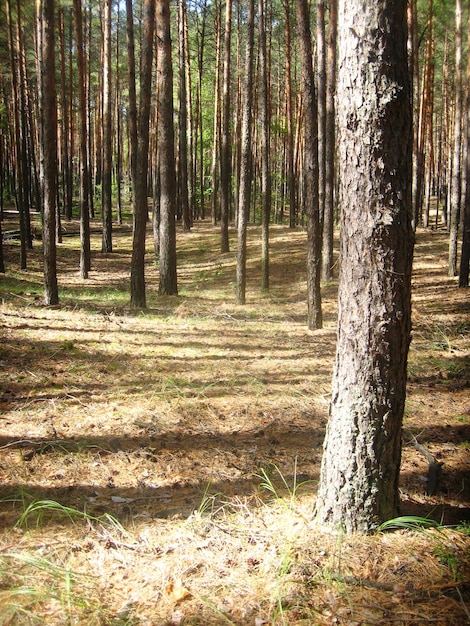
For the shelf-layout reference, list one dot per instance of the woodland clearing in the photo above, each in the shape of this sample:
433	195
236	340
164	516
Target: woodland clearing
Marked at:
160	466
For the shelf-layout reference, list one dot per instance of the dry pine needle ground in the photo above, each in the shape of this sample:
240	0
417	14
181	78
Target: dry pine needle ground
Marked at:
179	448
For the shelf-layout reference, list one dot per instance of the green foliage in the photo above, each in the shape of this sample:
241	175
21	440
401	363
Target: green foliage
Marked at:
268	483
448	557
29	581
39	510
409	522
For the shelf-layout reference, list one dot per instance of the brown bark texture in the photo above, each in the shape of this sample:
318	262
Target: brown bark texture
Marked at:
168	275
361	461
48	148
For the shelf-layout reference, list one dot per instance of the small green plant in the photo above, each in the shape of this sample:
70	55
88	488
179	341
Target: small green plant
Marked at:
217	611
208	501
409	522
448	557
28	582
267	483
464	528
38	509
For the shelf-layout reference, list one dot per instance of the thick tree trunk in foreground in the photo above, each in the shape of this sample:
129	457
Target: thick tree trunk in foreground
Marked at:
361	461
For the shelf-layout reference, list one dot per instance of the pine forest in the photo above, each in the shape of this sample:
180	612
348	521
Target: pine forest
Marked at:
235	314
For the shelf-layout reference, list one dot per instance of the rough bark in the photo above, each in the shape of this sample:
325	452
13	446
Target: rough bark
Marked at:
330	147
290	170
321	106
85	250
456	183
225	149
106	184
138	297
132	98
168	275
17	156
464	267
245	158
48	145
183	151
311	168
360	467
264	114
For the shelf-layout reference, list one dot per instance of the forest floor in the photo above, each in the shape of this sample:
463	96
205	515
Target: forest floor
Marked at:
160	466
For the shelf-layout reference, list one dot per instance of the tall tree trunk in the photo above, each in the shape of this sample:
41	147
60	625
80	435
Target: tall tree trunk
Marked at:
138	298
25	157
456	184
464	267
106	183
199	126
67	180
132	98
246	156
321	98
358	486
419	156
48	144
168	274
118	118
265	124
85	249
290	173
183	172
330	147
18	158
215	166
225	151
311	168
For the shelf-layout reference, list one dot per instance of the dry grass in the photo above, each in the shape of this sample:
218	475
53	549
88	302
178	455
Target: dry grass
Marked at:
170	421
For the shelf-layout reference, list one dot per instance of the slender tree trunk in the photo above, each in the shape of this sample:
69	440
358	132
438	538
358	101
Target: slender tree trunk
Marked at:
225	151
290	173
67	180
132	98
85	250
18	160
215	167
25	160
321	98
183	172
311	168
199	128
48	145
464	267
264	114
168	274
246	156
418	168
106	184
456	184
138	298
358	486
118	118
330	147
